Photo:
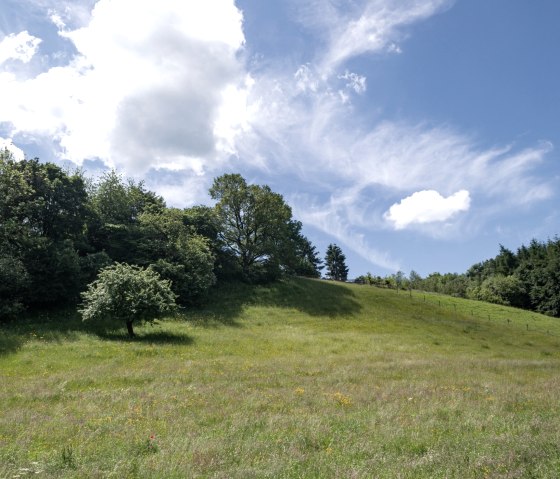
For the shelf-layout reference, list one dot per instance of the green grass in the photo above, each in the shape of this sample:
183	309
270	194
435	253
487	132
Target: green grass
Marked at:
298	379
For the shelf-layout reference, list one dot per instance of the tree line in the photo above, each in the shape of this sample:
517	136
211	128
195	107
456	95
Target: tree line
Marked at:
59	229
528	278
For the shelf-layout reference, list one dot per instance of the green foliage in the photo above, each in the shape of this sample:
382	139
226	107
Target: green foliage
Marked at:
193	276
415	280
115	201
127	293
539	270
42	218
41	196
177	253
254	226
400	280
14	281
54	270
302	258
335	262
507	290
90	265
116	207
452	284
203	220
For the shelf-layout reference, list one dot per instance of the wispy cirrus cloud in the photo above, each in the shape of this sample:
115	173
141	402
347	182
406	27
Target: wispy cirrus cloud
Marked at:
304	127
355	28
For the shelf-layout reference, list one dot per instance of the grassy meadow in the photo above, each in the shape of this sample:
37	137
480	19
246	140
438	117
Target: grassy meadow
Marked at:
300	379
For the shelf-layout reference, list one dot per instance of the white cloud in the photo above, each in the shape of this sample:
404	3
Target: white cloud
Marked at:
306	79
17	153
22	47
364	26
354	81
146	90
427	206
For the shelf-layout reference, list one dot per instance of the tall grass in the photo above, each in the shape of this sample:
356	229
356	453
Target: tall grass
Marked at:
298	379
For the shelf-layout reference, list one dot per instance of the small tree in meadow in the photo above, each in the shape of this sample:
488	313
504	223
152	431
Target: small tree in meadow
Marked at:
127	293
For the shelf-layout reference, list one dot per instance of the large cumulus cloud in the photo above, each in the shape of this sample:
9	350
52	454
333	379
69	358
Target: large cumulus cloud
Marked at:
144	90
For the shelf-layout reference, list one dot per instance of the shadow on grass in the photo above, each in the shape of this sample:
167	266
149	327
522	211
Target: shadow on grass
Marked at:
64	325
224	307
156	337
312	297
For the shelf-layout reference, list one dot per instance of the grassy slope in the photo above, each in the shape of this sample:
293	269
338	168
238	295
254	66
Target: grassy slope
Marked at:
300	379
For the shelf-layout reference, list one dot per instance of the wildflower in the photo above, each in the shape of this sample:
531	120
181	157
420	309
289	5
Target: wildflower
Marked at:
342	400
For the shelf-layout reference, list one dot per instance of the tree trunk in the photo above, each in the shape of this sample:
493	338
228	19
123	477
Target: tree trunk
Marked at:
130	330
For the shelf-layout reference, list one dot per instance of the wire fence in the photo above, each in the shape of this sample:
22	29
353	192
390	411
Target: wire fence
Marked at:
480	314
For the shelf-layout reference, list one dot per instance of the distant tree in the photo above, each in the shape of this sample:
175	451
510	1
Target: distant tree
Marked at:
498	289
335	262
127	293
368	279
254	225
415	280
539	271
400	278
505	263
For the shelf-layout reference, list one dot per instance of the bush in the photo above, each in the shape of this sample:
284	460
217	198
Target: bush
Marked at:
127	293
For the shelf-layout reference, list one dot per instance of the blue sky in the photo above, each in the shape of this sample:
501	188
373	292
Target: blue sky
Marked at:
417	134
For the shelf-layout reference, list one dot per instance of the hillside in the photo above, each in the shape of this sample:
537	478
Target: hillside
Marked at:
302	378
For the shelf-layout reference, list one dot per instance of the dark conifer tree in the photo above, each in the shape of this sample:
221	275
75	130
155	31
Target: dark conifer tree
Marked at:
335	262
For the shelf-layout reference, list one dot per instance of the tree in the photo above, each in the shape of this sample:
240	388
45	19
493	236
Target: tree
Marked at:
300	256
400	277
127	293
415	280
254	225
539	271
335	262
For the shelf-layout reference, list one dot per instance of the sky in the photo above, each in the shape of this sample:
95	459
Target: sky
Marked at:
415	134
